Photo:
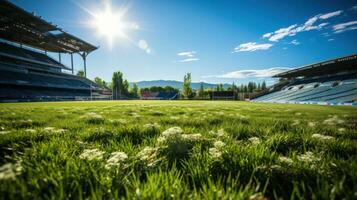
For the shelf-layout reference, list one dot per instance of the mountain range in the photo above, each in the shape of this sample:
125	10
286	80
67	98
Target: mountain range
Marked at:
176	84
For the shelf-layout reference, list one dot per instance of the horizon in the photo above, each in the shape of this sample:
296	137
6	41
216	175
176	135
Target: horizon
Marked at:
220	42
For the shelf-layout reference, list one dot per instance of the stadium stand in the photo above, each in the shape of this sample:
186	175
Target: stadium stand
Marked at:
332	82
27	73
222	95
163	95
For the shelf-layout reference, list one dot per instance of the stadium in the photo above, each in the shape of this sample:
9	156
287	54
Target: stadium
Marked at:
65	136
29	74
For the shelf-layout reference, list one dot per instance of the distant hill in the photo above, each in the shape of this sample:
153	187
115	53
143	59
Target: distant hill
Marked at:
175	84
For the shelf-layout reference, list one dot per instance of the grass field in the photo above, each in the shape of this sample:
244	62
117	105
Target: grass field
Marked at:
177	150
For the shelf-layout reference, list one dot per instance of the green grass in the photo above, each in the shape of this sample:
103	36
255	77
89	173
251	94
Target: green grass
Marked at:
221	150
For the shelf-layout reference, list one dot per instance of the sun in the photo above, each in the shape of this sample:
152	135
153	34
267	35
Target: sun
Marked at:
109	24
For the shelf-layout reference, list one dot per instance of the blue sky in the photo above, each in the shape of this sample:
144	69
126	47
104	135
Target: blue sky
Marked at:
217	41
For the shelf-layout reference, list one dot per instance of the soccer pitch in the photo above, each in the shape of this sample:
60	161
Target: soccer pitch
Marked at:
177	150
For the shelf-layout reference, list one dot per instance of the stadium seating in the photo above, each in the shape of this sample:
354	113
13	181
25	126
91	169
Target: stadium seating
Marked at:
26	54
146	95
8	77
330	90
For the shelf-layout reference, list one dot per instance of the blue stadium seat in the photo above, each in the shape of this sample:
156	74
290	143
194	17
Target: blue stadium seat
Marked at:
334	90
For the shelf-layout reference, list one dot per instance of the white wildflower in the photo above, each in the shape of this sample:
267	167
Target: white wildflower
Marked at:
9	171
116	158
254	140
93	117
341	130
80	142
160	140
297	114
285	160
149	155
49	129
174	131
322	137
118	121
311	124
4	132
219	133
154	125
59	131
192	137
219	144
333	120
92	154
54	130
215	153
30	130
308	157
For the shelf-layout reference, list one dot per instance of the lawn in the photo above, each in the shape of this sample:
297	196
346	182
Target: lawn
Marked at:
177	150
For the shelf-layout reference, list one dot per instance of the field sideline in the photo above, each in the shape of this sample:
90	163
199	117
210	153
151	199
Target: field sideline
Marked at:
177	150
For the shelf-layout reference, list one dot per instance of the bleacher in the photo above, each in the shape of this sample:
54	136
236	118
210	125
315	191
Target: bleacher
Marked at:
337	85
23	54
163	95
27	73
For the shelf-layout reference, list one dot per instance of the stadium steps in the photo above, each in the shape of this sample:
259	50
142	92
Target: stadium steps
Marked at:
340	89
298	93
291	92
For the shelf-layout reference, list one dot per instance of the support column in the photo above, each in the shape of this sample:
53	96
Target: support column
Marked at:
72	63
85	64
59	57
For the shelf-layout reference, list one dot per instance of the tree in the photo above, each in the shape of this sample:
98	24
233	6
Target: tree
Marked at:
134	91
233	88
187	90
100	82
80	73
264	85
125	87
201	91
120	86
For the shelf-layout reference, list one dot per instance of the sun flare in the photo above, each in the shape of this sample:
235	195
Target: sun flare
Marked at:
109	24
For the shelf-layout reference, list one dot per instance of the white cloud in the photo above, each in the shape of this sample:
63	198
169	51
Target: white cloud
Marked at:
187	53
331	39
142	44
281	33
323	24
312	20
339	28
267	35
295	42
331	14
258	73
251	46
295	28
189	56
189	60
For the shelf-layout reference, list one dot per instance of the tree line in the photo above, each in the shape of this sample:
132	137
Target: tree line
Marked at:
122	90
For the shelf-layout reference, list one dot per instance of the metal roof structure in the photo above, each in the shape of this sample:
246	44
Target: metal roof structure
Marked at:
346	63
20	26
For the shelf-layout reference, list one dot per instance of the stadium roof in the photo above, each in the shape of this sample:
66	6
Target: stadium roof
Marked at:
346	63
20	26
